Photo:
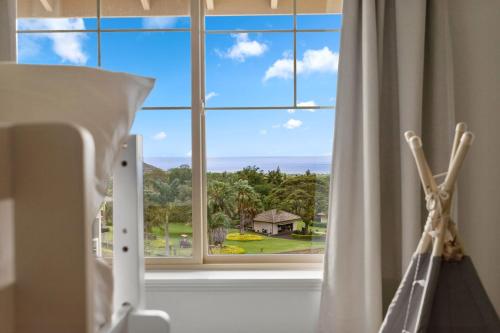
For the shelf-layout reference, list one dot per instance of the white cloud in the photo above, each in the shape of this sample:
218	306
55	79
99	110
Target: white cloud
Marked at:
211	95
321	60
158	22
243	48
160	136
68	46
282	68
263	132
308	103
189	153
292	123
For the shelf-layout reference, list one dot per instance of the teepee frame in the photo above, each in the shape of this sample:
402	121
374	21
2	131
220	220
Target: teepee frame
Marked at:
439	197
441	291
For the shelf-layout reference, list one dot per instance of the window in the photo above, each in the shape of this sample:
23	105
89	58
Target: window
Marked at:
238	131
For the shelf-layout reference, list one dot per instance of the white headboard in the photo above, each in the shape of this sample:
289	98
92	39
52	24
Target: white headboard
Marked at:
44	174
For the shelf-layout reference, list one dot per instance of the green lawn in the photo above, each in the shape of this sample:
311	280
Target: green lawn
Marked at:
274	245
269	245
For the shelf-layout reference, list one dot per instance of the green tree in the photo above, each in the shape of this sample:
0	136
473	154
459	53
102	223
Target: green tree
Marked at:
218	223
220	198
157	217
275	177
247	202
300	203
253	174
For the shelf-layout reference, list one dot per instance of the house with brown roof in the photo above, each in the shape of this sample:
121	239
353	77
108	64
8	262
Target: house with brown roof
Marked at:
274	222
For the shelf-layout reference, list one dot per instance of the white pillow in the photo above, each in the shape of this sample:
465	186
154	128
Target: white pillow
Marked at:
103	102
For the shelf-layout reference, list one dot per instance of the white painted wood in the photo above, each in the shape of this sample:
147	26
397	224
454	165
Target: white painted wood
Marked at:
128	224
210	4
233	281
196	122
148	321
146	4
219	310
52	165
274	4
46	5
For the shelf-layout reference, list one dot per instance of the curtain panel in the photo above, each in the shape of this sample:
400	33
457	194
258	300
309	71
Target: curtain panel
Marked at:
395	74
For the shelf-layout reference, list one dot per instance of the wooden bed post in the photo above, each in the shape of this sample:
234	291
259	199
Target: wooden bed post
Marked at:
52	177
7	264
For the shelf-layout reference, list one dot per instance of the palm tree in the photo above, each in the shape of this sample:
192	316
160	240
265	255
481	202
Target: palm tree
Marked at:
247	202
218	223
220	197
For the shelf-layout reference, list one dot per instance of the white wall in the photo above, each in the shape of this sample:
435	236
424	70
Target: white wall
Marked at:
475	28
238	306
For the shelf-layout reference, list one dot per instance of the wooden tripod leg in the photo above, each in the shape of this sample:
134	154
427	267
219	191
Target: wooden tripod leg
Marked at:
428	182
458	159
426	178
459	131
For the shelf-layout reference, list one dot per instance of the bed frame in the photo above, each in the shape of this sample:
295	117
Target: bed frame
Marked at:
46	260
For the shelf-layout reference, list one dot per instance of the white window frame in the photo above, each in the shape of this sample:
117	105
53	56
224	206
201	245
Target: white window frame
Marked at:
200	258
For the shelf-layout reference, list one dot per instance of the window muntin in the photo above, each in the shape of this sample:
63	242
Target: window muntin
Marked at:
132	21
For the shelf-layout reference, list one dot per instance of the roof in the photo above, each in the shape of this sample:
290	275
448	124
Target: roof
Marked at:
275	216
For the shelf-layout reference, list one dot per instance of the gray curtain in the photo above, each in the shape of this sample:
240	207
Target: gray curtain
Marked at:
396	73
7	30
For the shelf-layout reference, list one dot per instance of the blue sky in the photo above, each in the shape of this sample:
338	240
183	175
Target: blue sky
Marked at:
254	69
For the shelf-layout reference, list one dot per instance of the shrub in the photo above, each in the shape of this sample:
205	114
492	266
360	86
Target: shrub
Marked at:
228	249
313	236
319	224
235	236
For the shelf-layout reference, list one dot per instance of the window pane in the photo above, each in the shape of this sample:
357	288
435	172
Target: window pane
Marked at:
26	24
319	14
104	223
317	64
268	180
167	182
249	69
157	22
161	55
269	22
68	48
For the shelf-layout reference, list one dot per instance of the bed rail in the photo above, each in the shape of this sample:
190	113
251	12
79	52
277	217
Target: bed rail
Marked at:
46	261
128	226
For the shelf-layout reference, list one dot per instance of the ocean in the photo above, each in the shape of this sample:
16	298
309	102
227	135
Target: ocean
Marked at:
287	164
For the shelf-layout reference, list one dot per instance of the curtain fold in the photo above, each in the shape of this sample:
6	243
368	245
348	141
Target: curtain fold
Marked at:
394	75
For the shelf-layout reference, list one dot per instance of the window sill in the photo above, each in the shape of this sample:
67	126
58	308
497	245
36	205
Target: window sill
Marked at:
182	281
